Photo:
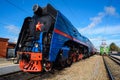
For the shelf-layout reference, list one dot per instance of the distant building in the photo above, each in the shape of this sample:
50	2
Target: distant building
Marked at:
3	46
6	48
11	49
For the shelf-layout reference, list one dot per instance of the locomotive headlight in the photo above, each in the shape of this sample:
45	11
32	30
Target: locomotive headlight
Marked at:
20	45
36	45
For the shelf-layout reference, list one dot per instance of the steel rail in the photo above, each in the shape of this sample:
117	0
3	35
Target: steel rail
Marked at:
108	70
116	60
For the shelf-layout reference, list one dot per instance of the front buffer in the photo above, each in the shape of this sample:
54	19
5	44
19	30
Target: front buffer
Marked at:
30	61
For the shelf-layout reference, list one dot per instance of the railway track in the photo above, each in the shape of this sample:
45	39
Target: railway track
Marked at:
19	75
62	73
115	59
108	70
113	67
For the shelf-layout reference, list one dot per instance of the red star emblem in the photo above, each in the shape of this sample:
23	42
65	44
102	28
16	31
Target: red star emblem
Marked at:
39	26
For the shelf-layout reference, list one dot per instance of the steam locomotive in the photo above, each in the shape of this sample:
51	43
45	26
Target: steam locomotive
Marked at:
48	40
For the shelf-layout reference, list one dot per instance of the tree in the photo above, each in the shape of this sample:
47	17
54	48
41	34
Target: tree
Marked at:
113	47
119	50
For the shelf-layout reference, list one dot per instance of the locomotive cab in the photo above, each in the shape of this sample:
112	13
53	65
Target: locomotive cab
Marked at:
34	39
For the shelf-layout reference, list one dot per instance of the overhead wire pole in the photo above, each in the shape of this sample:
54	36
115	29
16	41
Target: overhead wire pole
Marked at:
17	6
103	39
107	17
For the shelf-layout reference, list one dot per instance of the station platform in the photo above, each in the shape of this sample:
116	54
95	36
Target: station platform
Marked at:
117	56
7	66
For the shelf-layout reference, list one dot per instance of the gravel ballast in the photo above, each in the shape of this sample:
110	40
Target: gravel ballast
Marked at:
89	69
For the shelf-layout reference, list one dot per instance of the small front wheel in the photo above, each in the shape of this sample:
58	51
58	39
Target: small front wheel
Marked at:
48	66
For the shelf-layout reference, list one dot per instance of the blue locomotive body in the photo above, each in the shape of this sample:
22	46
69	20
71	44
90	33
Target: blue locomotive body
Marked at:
63	32
48	39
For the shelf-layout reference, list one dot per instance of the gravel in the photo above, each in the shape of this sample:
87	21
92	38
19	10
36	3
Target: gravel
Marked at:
114	68
89	69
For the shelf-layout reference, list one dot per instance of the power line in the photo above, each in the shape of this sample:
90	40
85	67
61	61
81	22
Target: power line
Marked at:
4	23
71	11
16	6
53	3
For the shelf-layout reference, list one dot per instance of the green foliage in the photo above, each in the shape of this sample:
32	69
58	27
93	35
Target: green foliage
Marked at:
114	47
119	50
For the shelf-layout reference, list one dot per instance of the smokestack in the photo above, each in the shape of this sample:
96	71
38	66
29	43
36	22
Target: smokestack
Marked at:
37	10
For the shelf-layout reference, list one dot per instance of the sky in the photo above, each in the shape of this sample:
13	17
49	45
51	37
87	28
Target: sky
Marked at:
96	19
